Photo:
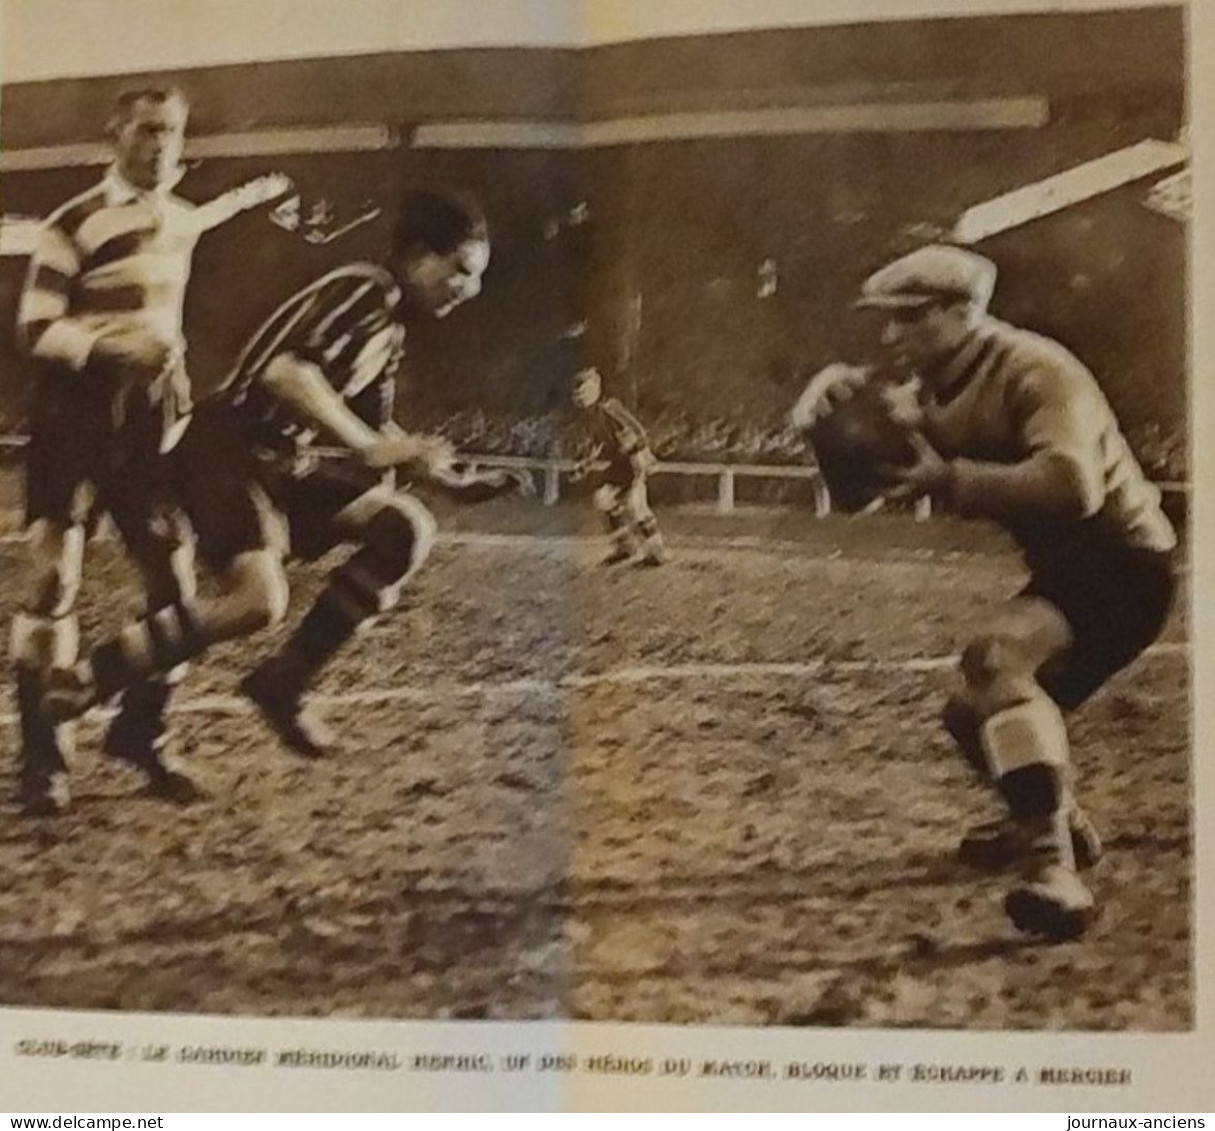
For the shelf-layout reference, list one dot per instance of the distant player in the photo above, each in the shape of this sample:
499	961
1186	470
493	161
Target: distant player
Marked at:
1015	430
321	370
620	489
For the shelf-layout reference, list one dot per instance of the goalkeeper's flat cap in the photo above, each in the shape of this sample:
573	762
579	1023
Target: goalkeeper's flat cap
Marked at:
936	274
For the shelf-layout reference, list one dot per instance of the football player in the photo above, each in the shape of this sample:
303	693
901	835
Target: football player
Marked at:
256	489
1015	430
101	317
621	488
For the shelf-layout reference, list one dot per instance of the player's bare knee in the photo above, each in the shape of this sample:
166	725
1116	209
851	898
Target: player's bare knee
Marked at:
257	590
40	642
56	558
981	660
606	499
994	658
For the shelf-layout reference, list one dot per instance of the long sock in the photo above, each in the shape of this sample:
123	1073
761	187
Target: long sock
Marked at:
41	750
1051	838
650	536
152	646
620	530
37	644
139	729
326	627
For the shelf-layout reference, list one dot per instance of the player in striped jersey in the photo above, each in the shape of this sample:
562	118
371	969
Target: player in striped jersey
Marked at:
101	317
620	489
322	367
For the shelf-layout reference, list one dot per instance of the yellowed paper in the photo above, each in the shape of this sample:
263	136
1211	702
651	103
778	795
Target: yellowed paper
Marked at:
603	837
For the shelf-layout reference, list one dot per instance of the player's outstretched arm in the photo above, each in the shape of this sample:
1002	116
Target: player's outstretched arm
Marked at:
586	464
432	459
1060	478
222	208
1047	485
469	486
302	385
422	454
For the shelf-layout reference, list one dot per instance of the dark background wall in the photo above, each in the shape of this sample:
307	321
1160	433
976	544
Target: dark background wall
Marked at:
667	269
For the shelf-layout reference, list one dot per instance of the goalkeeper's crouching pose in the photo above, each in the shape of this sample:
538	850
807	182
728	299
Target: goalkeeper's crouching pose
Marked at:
621	487
256	490
1015	430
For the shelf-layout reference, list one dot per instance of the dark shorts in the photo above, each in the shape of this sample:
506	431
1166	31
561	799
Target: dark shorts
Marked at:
622	470
95	445
240	497
619	472
1116	601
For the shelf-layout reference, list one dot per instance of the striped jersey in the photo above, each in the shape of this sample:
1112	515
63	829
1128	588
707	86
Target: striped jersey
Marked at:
346	323
619	439
616	431
1009	407
112	258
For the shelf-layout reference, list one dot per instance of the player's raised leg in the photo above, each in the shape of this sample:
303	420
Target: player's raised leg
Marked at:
253	596
394	533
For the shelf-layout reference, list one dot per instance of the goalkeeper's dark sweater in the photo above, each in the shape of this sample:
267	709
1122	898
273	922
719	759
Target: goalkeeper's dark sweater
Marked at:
1035	446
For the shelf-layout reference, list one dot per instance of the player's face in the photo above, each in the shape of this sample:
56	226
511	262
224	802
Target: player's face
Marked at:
918	336
440	283
149	142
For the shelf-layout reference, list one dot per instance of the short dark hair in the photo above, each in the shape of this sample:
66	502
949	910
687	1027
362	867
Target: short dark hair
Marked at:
438	223
133	96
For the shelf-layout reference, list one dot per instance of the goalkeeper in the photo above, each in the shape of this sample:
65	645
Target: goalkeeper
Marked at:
1015	430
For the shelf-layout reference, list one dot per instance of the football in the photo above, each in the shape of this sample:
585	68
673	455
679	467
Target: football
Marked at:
854	436
863	432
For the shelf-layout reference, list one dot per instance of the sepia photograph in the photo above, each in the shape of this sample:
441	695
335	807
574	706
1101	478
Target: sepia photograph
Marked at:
691	529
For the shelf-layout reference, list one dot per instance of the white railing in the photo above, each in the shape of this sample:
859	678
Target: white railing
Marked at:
726	475
552	470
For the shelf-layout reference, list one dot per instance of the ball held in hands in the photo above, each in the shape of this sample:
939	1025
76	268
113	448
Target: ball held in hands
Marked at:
860	427
860	424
